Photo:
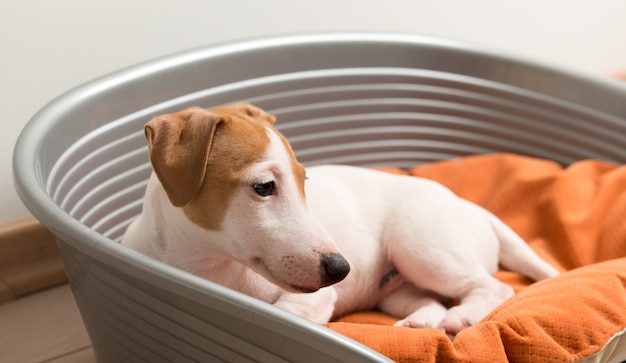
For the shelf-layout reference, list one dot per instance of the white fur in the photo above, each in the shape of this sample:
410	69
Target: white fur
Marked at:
442	246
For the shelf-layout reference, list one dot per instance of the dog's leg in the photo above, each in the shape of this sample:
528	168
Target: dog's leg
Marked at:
419	308
452	251
318	306
476	304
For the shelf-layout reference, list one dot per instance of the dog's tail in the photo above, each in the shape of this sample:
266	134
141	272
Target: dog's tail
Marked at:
516	255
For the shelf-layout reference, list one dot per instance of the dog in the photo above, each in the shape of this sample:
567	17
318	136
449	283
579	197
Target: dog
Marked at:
228	201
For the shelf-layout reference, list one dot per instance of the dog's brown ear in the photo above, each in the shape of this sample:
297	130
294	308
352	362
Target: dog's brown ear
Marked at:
179	146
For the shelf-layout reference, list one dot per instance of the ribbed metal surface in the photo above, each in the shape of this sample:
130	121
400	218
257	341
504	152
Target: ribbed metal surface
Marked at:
363	99
367	116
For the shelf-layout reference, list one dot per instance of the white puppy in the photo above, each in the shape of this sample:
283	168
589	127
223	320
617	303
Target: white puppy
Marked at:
227	202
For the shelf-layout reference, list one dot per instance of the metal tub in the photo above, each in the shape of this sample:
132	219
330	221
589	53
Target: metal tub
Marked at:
81	165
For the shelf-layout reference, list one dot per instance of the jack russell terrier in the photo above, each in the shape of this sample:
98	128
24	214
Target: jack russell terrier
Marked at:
229	202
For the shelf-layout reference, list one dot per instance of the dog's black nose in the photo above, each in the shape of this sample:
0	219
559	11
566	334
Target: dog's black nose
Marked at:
333	268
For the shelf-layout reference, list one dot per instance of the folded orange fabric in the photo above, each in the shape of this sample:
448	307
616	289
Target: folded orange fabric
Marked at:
572	217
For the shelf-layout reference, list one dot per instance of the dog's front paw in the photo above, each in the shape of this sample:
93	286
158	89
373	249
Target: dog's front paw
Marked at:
318	306
323	311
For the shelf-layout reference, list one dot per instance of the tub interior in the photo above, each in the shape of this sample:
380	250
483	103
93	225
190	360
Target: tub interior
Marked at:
362	116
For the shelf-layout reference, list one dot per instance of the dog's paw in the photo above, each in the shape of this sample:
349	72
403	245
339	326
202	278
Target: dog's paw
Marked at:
318	306
325	308
452	328
426	317
455	321
411	323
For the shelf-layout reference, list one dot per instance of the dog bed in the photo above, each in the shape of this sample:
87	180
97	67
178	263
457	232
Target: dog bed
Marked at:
385	100
574	217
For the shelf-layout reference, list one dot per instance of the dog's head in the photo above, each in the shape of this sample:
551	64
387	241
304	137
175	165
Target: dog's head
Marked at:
233	174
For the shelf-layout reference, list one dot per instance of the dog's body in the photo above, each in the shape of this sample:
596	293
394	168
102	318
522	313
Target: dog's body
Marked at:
227	202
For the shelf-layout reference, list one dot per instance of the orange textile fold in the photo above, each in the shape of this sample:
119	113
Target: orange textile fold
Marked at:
575	218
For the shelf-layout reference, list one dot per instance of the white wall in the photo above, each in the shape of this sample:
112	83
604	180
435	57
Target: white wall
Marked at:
50	46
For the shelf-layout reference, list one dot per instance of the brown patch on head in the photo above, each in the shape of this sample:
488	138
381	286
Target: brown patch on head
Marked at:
200	156
238	143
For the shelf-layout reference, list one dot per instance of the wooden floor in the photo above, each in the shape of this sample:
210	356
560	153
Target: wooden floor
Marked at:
44	327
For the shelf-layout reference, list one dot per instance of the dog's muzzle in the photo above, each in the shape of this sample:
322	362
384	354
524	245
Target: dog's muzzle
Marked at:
333	268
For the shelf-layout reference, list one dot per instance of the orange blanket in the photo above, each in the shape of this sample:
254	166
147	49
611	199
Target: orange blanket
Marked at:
572	217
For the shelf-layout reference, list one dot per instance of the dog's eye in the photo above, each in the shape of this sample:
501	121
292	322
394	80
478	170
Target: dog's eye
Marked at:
264	189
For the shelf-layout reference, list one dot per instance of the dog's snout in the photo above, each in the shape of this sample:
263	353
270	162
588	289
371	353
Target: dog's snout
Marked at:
333	268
